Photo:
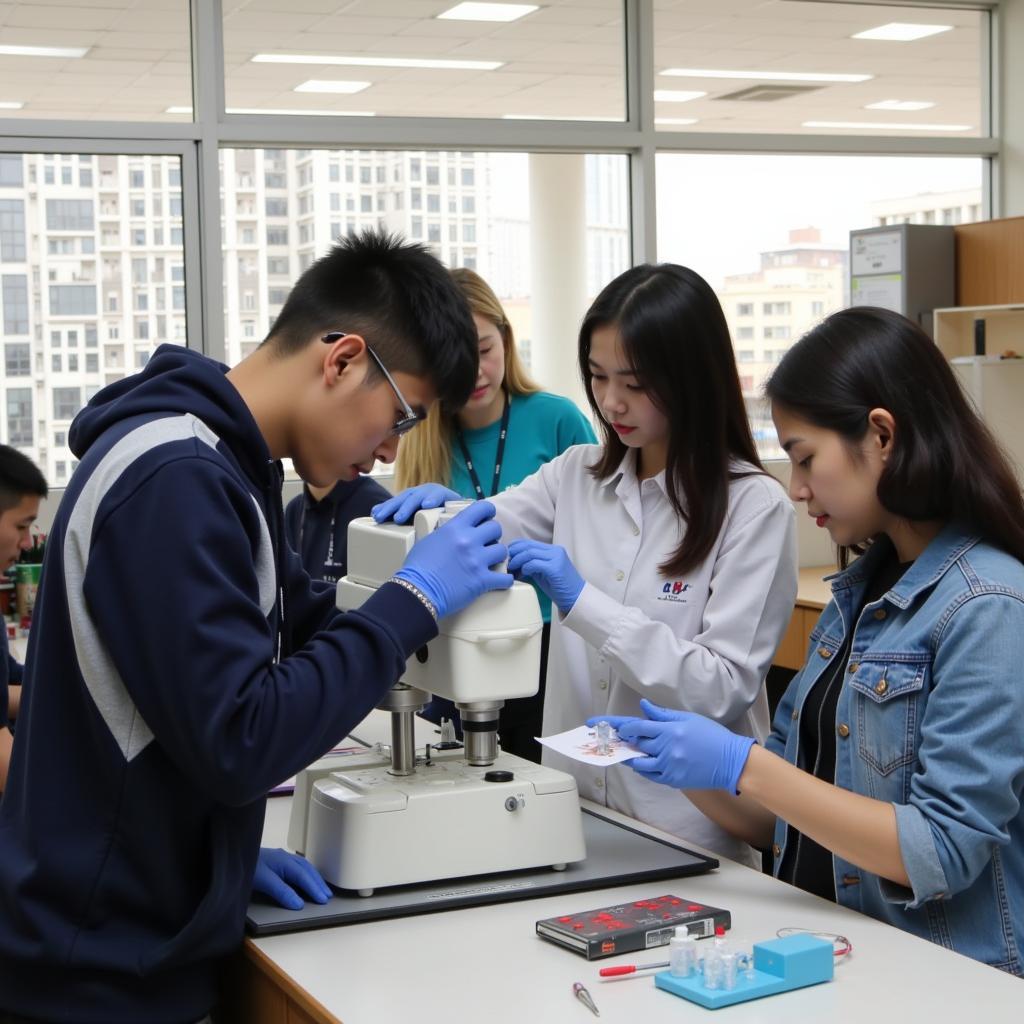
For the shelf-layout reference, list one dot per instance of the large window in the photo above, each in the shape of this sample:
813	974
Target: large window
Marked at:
78	282
330	116
781	266
479	217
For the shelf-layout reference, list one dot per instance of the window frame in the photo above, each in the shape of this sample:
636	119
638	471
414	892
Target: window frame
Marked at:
197	144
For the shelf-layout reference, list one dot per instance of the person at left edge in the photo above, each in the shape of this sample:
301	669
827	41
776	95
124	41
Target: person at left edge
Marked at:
187	663
316	523
22	487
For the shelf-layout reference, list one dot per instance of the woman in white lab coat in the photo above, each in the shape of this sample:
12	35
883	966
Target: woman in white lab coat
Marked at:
668	552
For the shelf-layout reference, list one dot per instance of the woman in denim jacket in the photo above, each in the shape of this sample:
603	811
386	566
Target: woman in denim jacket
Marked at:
893	778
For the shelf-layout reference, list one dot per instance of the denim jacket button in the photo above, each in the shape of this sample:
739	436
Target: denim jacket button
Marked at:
795	715
851	879
881	687
880	614
854	665
776	850
824	652
843	729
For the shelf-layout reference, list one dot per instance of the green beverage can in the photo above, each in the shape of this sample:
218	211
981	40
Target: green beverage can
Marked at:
26	583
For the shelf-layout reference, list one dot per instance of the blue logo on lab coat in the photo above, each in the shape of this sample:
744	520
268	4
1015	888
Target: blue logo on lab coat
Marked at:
674	590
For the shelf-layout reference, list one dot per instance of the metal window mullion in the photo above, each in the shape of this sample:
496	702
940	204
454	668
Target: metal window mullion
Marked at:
31	144
992	111
96	132
643	218
207	38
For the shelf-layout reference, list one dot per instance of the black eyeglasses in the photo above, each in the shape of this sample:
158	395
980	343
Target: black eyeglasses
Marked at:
411	417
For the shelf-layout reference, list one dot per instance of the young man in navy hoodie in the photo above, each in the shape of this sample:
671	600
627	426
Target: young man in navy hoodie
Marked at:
189	664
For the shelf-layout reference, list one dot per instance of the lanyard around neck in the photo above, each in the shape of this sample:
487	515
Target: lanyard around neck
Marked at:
330	543
502	434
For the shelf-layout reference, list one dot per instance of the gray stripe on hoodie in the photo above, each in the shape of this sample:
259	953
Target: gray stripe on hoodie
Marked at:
103	681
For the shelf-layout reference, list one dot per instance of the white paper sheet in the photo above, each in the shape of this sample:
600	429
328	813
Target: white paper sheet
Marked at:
581	745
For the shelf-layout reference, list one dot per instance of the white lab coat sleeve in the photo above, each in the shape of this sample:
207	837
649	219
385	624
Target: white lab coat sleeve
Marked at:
527	511
720	671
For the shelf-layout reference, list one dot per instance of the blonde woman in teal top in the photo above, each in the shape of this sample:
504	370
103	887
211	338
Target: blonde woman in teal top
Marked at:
507	430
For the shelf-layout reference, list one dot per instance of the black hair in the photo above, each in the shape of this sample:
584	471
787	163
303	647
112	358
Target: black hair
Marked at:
945	464
19	477
400	297
677	342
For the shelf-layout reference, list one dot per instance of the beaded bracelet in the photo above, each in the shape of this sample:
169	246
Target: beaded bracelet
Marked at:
416	592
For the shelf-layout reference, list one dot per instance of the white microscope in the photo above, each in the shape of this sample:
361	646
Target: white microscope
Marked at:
370	822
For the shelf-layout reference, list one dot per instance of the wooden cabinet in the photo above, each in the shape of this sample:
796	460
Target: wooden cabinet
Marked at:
811	596
257	991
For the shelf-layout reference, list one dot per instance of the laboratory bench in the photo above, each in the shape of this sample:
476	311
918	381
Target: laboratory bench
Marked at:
487	964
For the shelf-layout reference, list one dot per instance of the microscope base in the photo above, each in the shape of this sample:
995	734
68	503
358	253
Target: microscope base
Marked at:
367	828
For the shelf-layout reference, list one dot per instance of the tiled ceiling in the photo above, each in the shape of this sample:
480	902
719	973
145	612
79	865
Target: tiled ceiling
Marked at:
564	60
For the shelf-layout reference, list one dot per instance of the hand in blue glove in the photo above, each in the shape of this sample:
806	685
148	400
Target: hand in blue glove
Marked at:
275	869
402	507
684	750
452	565
548	566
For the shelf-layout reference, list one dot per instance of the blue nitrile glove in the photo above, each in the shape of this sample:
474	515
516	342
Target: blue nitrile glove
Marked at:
278	870
404	505
548	566
685	750
451	566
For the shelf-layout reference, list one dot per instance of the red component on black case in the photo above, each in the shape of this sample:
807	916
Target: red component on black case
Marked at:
643	924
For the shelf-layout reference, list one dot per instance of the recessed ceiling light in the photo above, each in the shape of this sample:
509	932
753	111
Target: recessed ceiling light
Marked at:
377	62
178	110
675	120
487	12
899	105
768	76
332	85
44	51
11	105
889	126
676	95
901	32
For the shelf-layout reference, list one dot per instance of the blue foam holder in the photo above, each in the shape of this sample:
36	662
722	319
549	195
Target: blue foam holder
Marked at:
780	965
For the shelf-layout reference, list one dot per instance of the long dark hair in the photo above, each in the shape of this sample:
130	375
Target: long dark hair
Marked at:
677	342
945	464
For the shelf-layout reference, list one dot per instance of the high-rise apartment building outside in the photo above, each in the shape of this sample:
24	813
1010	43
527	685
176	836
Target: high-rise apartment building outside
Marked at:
92	259
767	311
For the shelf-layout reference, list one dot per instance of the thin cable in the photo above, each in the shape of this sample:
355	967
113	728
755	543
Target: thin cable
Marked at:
842	947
